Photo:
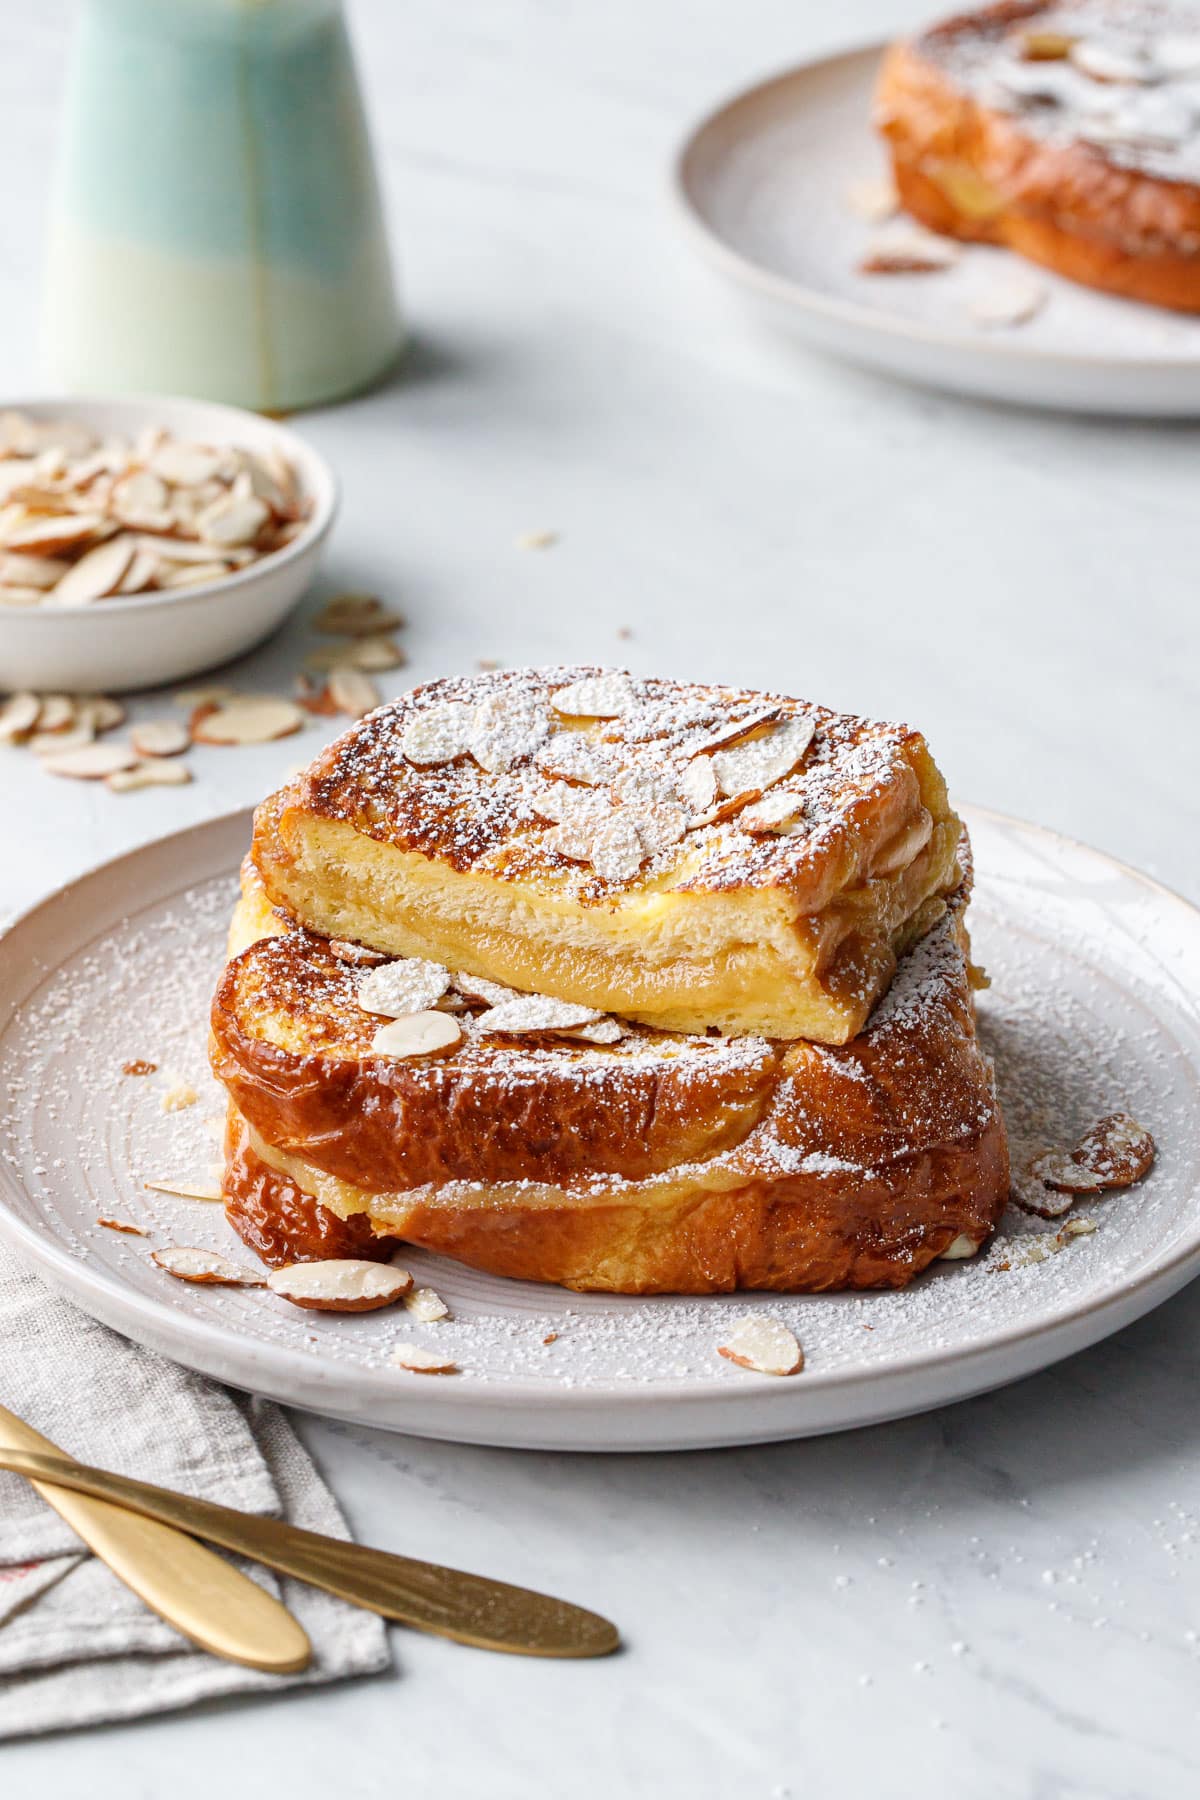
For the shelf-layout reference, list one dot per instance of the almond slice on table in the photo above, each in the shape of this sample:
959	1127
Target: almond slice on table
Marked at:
158	772
57	712
505	729
762	761
342	1284
904	249
418	1034
315	700
773	813
596	697
371	654
440	734
1012	299
160	737
408	985
873	198
419	1361
124	1225
192	1187
426	1304
188	1263
1117	1150
99	711
18	716
53	743
536	1012
352	692
356	615
246	719
1058	1169
91	762
763	1343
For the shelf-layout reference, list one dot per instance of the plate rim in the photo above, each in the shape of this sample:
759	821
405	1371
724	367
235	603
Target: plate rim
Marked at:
207	1345
733	262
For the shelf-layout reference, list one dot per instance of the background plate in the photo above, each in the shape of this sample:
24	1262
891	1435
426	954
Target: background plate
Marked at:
1092	1006
762	186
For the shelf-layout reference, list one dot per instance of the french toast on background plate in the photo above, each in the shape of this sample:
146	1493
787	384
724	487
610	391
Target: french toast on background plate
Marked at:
522	972
1068	130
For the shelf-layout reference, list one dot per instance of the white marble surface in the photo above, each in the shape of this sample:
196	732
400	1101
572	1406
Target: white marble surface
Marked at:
998	1600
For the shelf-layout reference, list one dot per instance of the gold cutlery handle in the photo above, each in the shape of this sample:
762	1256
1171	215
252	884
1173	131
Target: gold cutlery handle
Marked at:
472	1609
194	1590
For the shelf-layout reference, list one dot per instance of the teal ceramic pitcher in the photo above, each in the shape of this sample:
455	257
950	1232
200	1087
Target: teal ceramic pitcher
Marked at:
217	228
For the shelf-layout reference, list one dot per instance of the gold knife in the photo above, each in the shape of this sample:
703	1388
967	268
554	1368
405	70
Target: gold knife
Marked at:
193	1589
471	1609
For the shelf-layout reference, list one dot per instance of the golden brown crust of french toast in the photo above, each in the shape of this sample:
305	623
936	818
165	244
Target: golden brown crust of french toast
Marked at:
792	934
980	172
663	1164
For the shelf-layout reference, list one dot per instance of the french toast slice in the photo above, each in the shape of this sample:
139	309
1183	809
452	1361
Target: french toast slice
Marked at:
1066	130
691	857
661	1163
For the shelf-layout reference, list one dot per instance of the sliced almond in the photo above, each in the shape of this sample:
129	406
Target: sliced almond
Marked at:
143	571
160	737
124	1225
439	734
763	1343
57	713
773	813
505	729
617	849
189	574
17	570
247	719
761	761
140	494
99	711
156	773
1032	1195
536	540
873	198
1045	46
203	696
903	249
734	730
1013	299
185	465
478	987
192	1187
418	1034
356	615
535	1013
49	536
54	743
91	762
426	1305
21	596
178	1097
372	654
408	985
420	1361
18	716
658	824
607	696
356	955
698	785
233	520
189	1263
604	1031
1107	62
342	1284
573	757
1057	1169
352	692
1117	1151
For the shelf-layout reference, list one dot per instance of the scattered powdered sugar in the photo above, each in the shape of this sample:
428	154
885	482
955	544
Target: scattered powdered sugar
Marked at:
1081	1023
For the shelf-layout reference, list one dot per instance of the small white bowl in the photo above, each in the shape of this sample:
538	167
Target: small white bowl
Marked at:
147	640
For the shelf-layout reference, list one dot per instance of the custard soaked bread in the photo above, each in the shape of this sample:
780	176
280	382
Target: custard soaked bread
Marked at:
645	1162
1068	131
691	857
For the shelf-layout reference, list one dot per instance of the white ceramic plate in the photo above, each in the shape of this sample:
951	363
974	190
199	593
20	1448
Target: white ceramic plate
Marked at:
146	640
762	188
1095	972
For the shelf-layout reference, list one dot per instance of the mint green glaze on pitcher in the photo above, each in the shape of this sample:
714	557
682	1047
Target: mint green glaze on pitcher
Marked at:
217	228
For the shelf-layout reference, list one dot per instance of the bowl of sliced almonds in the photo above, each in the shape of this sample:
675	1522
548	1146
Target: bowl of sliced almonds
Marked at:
143	539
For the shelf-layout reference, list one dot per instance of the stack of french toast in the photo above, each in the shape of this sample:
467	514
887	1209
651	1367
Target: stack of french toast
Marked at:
626	984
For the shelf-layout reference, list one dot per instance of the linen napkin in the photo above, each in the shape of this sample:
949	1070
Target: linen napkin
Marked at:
76	1646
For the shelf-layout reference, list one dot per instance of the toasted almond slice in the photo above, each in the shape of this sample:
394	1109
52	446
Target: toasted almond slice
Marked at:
189	1263
18	716
763	1343
189	574
658	824
478	987
341	1284
57	713
352	692
1012	299
1057	1169
1045	46
91	762
21	571
247	719
426	1305
98	711
156	773
357	955
506	729
761	761
124	1225
607	696
47	536
420	1361
536	540
54	743
203	696
439	734
1117	1150
408	985
773	813
873	198
536	1012
356	615
418	1034
573	757
160	737
604	1031
139	1066
904	249
315	700
372	654
192	1187
617	848
734	730
1032	1195
698	785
